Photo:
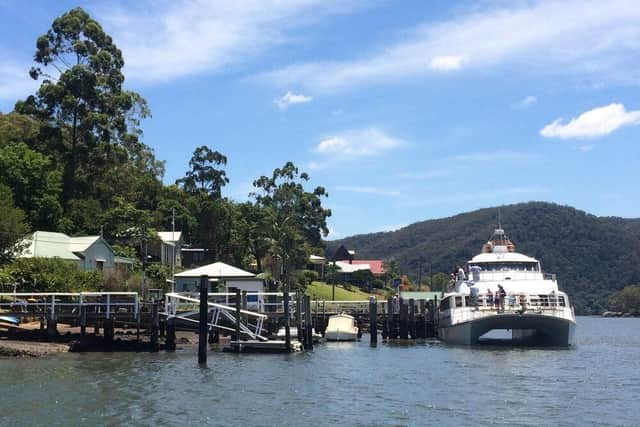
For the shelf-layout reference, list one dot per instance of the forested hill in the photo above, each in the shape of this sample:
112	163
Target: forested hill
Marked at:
593	256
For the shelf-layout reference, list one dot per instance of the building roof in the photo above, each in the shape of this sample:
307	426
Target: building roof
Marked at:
420	295
170	236
217	269
81	244
45	244
345	267
376	265
315	259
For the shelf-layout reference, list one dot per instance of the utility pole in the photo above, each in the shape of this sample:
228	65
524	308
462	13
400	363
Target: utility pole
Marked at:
173	249
420	276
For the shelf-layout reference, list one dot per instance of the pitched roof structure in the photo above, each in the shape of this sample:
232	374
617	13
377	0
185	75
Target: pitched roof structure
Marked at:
170	236
216	270
345	267
45	244
376	265
81	244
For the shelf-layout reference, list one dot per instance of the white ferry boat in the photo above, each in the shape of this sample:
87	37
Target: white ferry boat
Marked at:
508	295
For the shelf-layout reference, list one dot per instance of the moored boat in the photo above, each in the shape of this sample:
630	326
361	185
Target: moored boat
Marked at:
506	291
341	327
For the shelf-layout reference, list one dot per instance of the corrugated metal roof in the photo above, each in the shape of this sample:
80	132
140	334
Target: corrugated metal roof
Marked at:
217	269
81	244
345	267
45	244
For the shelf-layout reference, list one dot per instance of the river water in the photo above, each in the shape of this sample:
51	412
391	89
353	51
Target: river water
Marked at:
595	383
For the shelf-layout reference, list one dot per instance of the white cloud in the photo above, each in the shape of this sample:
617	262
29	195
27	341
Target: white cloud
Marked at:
593	38
358	143
525	102
290	98
15	82
446	63
592	124
166	40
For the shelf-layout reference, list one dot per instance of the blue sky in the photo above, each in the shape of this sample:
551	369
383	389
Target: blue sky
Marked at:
403	110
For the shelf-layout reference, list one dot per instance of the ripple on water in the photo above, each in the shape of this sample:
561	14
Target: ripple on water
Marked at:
339	384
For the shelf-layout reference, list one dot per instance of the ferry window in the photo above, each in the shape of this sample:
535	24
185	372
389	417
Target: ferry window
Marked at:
445	304
467	300
458	301
561	301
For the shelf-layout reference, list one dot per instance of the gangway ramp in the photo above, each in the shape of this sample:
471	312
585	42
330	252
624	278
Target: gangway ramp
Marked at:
185	308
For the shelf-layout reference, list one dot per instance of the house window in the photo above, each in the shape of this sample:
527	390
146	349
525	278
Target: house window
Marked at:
99	265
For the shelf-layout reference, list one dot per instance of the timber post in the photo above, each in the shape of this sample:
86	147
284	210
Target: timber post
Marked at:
287	329
373	321
308	327
155	325
202	324
170	341
238	316
412	318
404	319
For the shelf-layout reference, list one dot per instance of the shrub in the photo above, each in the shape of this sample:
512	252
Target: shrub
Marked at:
49	275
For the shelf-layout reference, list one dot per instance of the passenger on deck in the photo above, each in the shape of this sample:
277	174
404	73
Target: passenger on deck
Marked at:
460	275
474	271
489	297
474	294
500	296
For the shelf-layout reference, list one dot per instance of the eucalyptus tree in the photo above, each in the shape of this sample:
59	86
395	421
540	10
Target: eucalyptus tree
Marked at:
82	97
296	220
207	174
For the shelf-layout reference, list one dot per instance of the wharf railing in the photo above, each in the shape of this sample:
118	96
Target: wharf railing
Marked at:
66	304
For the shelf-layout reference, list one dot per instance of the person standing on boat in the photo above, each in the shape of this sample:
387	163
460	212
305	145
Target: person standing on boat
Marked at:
489	297
474	294
500	296
461	275
474	272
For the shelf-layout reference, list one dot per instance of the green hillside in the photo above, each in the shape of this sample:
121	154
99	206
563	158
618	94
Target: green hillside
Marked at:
593	256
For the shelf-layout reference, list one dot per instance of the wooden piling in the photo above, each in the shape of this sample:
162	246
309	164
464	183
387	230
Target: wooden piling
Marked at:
412	318
155	325
202	324
389	319
108	333
245	304
83	321
422	320
404	320
287	329
373	320
170	341
299	315
52	327
238	315
308	327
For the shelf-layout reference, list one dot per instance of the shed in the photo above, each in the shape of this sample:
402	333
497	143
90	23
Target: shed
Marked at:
222	278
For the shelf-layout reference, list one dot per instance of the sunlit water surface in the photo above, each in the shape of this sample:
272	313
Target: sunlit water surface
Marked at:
595	383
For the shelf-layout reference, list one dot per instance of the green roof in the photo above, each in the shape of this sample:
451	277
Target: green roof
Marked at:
420	295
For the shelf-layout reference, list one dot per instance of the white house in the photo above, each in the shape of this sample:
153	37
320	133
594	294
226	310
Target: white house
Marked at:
89	252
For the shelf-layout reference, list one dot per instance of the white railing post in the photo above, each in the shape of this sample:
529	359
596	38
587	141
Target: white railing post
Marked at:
108	305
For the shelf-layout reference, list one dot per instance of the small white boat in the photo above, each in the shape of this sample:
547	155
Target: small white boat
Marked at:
341	327
293	332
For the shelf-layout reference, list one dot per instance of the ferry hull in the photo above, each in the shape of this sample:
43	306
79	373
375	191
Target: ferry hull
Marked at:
527	329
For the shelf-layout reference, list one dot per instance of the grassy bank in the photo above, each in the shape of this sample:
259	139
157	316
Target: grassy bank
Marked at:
323	291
